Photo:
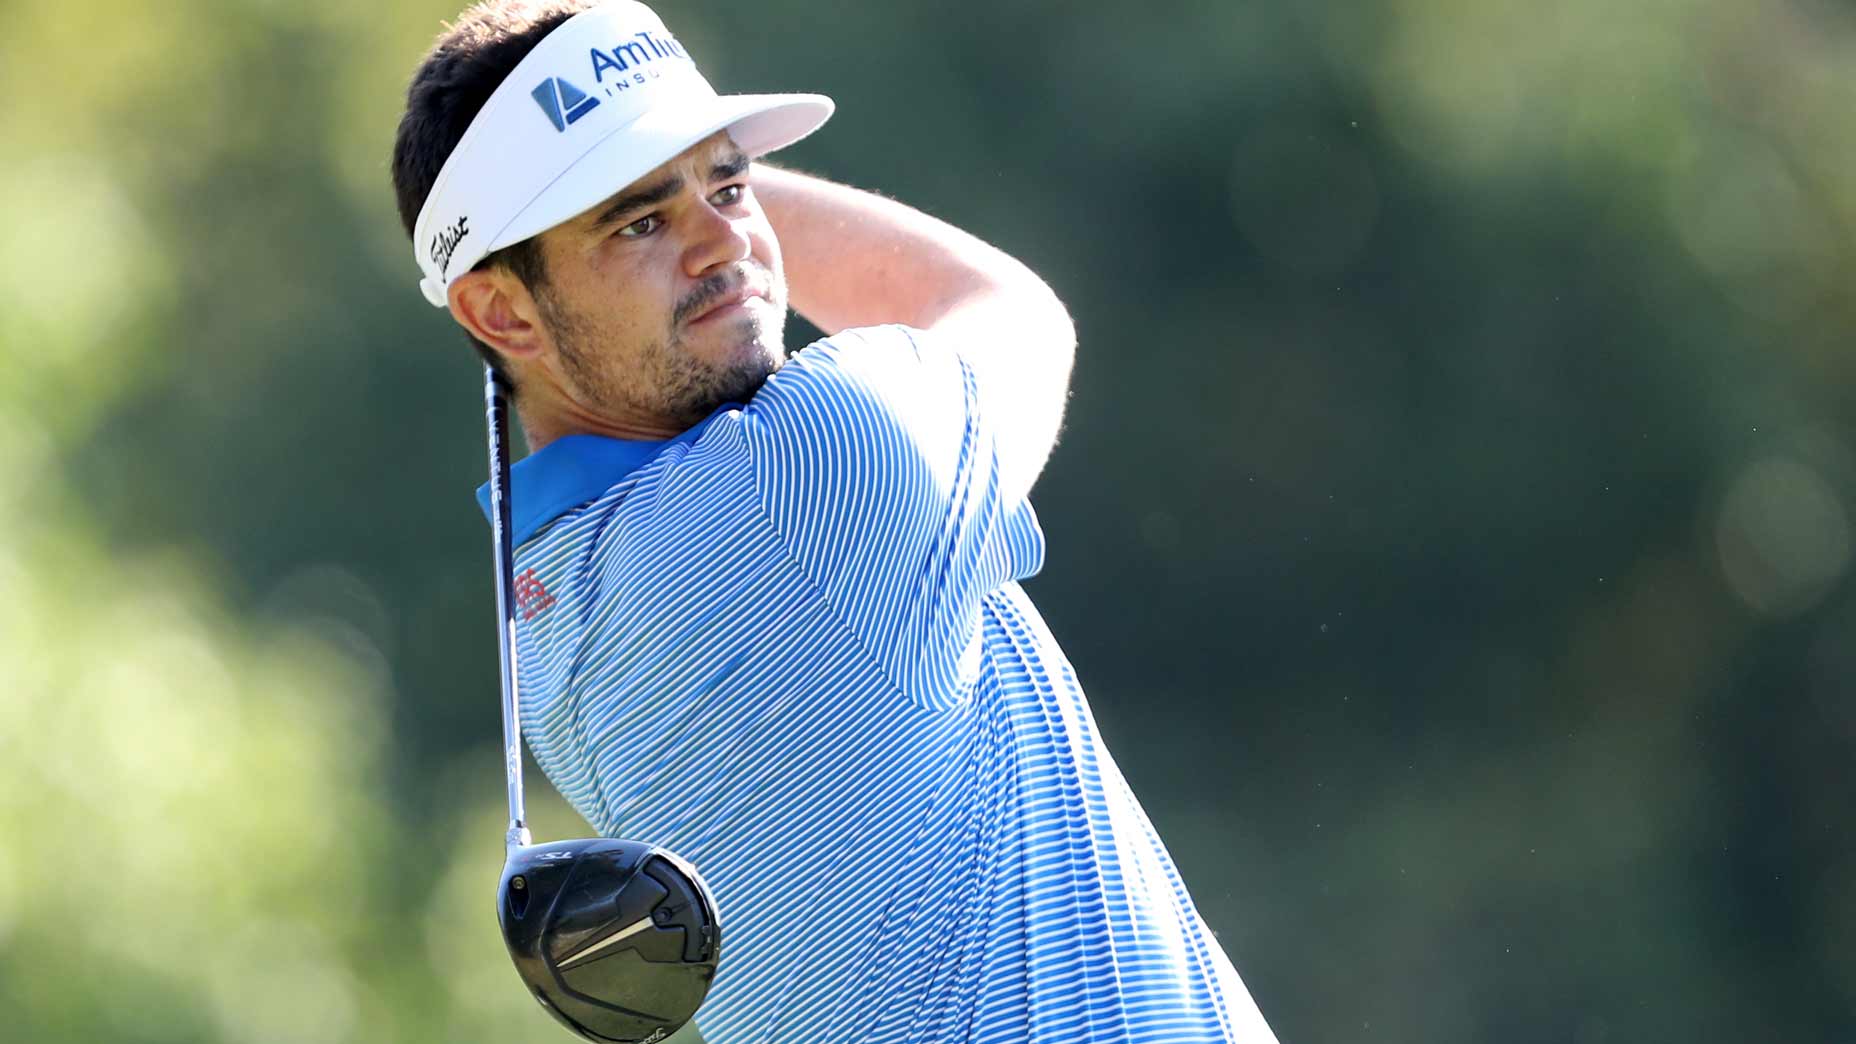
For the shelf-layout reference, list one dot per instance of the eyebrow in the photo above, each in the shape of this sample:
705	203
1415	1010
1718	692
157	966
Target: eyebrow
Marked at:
732	165
637	199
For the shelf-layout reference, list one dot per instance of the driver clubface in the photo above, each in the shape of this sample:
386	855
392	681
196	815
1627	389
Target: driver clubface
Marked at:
618	940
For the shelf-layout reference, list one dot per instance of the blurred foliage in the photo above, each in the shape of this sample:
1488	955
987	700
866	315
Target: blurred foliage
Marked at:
1453	526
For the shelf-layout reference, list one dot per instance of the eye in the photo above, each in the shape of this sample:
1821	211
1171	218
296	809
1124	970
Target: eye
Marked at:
644	226
728	195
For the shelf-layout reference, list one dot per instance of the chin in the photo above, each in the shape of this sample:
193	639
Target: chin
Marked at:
727	362
735	380
751	338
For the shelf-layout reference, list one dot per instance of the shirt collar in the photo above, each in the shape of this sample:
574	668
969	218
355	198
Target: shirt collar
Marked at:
575	470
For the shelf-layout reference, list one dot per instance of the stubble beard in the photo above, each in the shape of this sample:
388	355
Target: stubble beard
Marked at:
665	379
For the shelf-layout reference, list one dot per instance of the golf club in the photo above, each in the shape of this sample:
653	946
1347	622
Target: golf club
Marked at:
618	939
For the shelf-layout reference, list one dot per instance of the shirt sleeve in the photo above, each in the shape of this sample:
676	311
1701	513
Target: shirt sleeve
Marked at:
879	469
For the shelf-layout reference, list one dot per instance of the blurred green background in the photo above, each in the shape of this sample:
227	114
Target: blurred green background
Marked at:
1452	530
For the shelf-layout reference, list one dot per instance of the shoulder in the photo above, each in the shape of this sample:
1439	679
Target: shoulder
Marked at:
886	382
874	356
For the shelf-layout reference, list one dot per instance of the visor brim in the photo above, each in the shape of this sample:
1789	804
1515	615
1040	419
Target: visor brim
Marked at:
758	124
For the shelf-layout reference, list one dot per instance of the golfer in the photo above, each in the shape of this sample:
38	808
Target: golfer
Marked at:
768	603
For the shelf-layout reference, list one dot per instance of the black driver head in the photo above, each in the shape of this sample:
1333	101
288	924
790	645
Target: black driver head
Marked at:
618	940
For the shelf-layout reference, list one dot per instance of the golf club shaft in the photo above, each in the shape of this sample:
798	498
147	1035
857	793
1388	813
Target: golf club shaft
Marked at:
496	409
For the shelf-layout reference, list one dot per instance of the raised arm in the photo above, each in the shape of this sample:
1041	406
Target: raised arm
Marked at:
856	259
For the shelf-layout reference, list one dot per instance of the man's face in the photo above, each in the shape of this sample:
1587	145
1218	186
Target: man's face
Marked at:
667	299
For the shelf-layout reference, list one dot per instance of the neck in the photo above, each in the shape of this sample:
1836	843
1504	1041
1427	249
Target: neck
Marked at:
543	422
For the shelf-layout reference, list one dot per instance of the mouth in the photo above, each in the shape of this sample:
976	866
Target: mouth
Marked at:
727	306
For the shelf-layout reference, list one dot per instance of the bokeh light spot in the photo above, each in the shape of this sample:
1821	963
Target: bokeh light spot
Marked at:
1783	536
1743	217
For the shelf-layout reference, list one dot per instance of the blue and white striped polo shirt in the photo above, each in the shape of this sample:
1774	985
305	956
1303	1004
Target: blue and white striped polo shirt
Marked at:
790	645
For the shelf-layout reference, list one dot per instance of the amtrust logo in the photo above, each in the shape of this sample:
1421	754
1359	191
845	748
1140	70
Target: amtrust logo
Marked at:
562	101
627	55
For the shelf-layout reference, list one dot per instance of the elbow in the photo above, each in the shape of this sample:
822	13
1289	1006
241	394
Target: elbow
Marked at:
1058	329
1044	323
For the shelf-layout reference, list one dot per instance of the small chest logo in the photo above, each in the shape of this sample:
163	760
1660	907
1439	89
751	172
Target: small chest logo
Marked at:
531	597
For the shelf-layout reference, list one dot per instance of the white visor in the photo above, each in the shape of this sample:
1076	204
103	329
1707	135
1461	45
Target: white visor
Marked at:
601	101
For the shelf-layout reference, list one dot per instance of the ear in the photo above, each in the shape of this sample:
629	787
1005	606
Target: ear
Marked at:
498	310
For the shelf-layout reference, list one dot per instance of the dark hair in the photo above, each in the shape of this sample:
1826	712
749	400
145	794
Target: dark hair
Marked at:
465	66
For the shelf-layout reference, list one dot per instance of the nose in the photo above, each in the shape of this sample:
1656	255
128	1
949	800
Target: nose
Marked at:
716	239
